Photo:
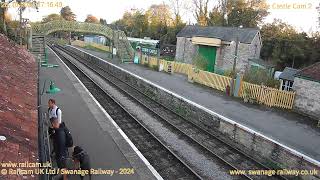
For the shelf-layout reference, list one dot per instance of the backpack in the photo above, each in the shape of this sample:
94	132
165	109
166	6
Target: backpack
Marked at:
56	111
69	140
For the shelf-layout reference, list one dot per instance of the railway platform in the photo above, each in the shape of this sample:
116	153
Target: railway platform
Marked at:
91	127
288	128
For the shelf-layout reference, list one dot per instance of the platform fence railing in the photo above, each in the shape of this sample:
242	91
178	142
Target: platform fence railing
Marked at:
43	136
260	94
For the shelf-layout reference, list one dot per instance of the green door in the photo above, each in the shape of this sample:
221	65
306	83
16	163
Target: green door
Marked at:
209	53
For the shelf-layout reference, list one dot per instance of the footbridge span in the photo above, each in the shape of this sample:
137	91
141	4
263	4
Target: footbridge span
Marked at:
40	31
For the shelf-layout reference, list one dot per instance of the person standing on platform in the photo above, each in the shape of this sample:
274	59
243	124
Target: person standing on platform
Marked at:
60	148
82	160
54	110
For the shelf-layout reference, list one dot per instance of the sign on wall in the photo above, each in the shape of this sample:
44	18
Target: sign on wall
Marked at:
149	51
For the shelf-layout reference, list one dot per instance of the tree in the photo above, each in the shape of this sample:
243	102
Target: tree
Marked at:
284	46
140	24
4	11
248	13
134	23
177	7
159	14
92	19
67	14
51	17
318	9
216	17
159	18
103	21
201	11
157	22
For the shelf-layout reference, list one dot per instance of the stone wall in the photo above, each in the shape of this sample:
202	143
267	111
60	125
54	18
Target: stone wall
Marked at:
245	51
185	51
307	100
254	144
255	47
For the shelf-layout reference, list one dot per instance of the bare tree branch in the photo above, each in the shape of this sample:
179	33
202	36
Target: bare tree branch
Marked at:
201	11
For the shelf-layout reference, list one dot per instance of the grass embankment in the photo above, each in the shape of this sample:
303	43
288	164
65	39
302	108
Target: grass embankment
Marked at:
90	47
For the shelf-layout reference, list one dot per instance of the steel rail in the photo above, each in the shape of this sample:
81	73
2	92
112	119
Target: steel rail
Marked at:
164	119
137	121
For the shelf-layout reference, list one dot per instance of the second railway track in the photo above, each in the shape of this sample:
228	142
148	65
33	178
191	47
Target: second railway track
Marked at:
212	146
167	163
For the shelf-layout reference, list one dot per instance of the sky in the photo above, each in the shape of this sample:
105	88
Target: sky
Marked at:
301	14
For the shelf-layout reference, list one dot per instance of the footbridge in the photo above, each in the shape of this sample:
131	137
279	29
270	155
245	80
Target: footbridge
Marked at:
40	31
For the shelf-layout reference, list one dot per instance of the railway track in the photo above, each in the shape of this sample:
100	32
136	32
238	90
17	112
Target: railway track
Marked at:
212	145
168	165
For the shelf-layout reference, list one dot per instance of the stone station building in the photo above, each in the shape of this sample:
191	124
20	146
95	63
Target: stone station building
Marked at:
217	45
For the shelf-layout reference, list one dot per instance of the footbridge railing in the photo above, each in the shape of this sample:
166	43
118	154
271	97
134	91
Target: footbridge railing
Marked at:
119	39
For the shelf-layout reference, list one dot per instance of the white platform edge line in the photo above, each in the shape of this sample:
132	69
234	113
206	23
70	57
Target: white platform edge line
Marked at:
311	160
145	161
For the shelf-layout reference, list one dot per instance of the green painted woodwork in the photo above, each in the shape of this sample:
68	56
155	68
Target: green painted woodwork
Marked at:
209	53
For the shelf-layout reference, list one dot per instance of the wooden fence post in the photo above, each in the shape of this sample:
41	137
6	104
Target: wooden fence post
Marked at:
272	98
260	94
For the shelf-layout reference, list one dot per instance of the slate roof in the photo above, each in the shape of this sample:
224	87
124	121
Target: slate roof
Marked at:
246	35
288	74
18	106
311	72
267	64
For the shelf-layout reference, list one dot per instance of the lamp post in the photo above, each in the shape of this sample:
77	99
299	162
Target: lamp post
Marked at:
235	60
29	35
53	89
158	54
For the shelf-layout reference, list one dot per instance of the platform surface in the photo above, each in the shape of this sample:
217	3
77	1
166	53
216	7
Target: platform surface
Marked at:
289	128
90	127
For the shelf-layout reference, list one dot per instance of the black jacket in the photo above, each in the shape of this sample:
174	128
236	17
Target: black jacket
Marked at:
85	162
59	142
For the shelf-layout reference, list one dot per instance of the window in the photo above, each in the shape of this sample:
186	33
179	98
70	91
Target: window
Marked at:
287	85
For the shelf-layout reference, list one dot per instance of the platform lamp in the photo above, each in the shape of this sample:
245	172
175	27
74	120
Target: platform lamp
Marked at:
53	89
45	62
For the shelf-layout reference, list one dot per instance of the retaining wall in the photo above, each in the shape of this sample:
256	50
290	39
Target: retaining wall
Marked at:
260	147
307	99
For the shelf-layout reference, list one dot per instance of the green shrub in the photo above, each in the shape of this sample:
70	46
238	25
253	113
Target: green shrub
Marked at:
146	63
167	58
200	62
260	76
155	67
230	73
